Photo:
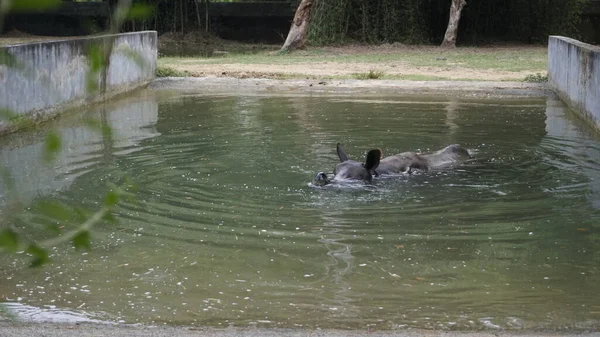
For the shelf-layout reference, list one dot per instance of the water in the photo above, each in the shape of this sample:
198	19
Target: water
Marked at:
227	230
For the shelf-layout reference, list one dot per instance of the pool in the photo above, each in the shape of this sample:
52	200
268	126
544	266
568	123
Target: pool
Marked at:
227	231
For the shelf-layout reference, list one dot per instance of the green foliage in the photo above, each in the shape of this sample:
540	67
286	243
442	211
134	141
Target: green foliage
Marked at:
416	21
140	11
40	255
16	6
82	240
370	21
56	211
20	122
52	146
97	62
537	78
162	71
96	125
77	221
9	240
6	114
9	60
132	55
529	21
371	75
111	198
75	225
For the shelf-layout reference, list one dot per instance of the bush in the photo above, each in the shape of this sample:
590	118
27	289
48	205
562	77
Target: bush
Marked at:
537	78
371	75
418	21
170	72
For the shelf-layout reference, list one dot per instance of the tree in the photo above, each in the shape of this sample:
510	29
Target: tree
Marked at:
298	31
455	11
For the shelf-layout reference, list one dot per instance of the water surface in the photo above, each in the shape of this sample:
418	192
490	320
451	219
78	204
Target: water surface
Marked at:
227	230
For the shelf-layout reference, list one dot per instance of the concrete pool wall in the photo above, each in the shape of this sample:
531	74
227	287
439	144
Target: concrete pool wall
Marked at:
38	79
574	74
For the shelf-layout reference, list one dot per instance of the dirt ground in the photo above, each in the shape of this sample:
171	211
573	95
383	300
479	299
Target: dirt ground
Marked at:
319	63
338	69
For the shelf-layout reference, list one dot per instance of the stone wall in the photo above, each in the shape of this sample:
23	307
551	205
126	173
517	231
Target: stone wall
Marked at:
574	74
38	79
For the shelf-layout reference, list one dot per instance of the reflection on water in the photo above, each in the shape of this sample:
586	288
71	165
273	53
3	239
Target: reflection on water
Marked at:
82	148
227	231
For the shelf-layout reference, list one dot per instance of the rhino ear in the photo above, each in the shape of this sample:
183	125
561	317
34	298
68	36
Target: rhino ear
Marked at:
343	156
372	160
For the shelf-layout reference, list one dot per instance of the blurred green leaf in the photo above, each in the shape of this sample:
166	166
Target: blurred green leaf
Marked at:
91	84
96	57
10	60
111	198
133	55
98	126
129	187
93	123
82	240
33	5
140	11
56	210
40	256
110	217
9	240
97	62
81	214
53	227
51	146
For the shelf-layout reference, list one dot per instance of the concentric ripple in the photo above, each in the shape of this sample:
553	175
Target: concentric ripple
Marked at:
225	229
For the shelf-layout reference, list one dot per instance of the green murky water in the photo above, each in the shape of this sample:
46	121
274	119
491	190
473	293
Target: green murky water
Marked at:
228	232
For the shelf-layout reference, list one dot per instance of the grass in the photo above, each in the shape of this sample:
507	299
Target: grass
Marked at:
503	59
371	75
164	71
22	122
537	78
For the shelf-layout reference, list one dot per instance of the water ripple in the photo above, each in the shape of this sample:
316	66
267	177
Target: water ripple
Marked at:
226	229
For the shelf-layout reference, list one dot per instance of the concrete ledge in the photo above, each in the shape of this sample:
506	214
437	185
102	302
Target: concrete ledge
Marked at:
574	74
105	330
258	86
39	79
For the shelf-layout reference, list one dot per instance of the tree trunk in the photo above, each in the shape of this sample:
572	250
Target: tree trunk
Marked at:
206	19
198	15
185	10
181	15
297	36
455	11
174	16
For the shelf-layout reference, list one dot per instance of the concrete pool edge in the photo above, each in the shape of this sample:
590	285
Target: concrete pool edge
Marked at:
216	85
99	330
574	75
43	79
